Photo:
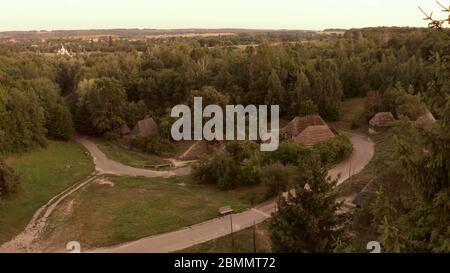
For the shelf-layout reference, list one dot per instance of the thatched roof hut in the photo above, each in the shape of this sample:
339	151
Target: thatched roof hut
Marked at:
145	127
381	121
425	119
307	130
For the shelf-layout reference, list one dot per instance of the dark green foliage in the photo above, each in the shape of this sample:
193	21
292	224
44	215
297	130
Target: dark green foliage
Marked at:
306	219
102	104
58	119
220	169
238	165
403	102
23	121
334	150
158	146
9	180
277	178
151	144
410	211
289	154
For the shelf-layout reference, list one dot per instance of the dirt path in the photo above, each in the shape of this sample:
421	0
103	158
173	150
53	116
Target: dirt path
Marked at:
219	227
186	237
24	241
105	165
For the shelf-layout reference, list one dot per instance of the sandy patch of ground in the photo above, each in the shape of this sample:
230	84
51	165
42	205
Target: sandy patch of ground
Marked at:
103	181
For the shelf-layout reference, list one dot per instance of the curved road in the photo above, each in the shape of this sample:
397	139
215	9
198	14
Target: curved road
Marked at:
363	150
105	165
189	236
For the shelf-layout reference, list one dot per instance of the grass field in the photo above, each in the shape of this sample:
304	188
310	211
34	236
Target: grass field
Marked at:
44	173
243	242
128	157
133	208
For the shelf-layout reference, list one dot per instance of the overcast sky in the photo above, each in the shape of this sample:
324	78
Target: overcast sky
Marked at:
261	14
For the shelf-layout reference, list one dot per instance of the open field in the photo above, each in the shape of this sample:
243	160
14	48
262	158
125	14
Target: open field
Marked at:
115	210
44	173
243	242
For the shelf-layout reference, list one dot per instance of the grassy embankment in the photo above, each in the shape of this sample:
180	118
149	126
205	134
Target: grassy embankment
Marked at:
44	173
135	158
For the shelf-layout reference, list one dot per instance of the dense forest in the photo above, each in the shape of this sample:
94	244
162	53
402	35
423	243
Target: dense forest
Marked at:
106	84
303	77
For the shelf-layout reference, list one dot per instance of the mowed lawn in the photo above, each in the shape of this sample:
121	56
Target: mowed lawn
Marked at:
104	215
44	174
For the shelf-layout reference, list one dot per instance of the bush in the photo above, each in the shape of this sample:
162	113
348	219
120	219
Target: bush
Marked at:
334	150
239	164
112	136
158	146
289	154
276	177
151	144
219	169
9	180
251	170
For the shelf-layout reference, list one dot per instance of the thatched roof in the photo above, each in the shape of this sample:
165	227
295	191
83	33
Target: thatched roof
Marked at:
382	120
427	118
314	134
298	124
307	130
145	127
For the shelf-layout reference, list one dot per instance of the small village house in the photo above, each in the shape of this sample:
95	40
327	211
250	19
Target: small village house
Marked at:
381	121
145	127
307	130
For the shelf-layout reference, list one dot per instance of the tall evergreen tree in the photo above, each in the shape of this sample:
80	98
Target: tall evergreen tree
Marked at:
306	219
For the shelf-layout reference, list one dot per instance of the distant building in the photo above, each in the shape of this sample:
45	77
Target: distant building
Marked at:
425	119
381	121
307	130
145	127
63	52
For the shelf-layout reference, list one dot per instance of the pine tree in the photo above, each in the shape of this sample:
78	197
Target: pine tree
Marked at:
306	219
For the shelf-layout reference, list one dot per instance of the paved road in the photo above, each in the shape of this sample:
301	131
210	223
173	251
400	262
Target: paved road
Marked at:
216	228
105	165
186	237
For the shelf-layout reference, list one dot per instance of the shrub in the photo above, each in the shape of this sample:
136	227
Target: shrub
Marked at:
9	180
334	150
219	169
276	177
251	170
151	144
156	145
112	136
239	164
288	153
